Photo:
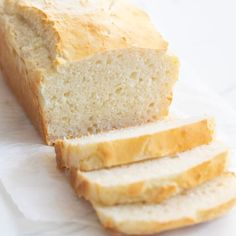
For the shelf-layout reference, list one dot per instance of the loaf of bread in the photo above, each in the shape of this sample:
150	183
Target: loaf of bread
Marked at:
130	145
153	180
80	67
205	202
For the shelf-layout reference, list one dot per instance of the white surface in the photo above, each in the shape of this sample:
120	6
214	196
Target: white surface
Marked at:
202	33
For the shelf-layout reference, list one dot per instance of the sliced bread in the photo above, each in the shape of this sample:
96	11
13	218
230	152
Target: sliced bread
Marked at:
153	180
206	202
129	145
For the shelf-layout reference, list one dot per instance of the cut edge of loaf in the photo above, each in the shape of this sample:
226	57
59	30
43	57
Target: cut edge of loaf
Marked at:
123	96
123	151
153	189
141	226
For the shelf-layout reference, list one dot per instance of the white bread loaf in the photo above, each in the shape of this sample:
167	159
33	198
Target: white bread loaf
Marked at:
206	202
153	180
81	67
130	145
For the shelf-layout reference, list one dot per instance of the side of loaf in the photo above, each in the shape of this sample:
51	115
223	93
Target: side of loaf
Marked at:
206	202
154	180
85	67
124	146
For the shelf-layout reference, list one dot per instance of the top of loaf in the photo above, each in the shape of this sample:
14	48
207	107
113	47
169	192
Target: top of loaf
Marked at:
76	29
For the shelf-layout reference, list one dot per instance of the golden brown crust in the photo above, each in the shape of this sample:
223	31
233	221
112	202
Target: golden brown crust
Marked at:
124	151
151	227
59	159
150	190
81	30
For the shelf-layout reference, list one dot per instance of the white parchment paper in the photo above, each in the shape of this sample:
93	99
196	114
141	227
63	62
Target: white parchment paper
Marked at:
28	168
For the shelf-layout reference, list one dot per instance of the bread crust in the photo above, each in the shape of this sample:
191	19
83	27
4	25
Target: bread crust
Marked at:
17	76
81	29
150	190
118	152
151	227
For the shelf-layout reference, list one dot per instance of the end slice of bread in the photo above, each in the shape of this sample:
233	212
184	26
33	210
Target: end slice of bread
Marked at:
206	202
153	180
129	145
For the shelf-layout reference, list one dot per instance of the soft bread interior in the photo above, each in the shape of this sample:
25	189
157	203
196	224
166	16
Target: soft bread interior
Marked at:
103	93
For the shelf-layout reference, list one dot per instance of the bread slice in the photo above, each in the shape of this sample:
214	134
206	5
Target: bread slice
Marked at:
130	145
205	202
153	180
81	67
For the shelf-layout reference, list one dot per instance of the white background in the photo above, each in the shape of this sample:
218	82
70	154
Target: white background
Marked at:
203	34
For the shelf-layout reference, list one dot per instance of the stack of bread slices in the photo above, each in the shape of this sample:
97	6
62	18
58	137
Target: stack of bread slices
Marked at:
154	177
